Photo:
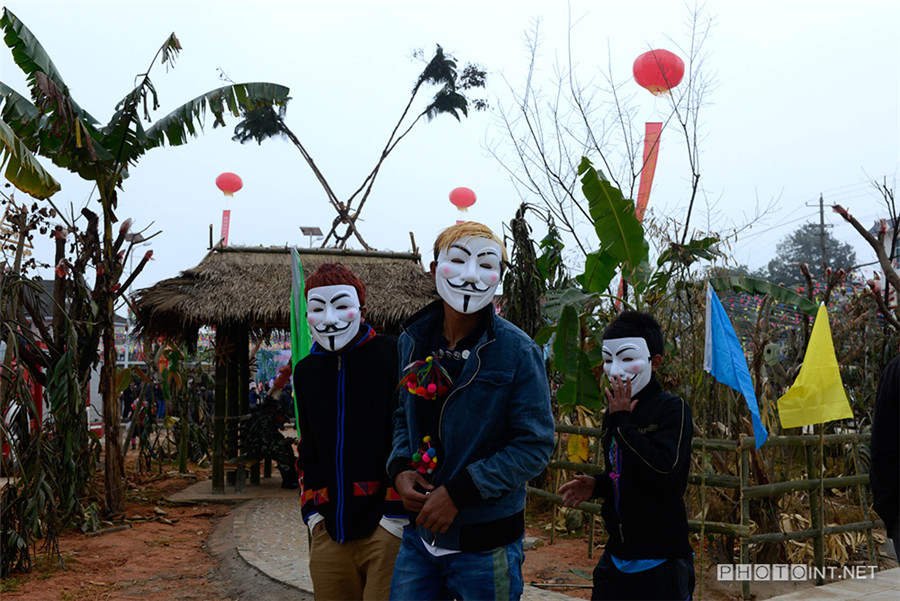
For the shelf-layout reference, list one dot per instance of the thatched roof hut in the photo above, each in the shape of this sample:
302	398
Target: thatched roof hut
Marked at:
251	286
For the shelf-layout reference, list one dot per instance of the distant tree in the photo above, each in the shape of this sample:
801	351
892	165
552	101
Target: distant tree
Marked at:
805	246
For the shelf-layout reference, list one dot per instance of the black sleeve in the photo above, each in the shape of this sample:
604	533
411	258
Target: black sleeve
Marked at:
311	477
884	471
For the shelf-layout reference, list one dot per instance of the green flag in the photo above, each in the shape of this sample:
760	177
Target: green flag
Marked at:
300	337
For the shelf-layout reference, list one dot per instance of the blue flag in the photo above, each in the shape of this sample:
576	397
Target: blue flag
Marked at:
724	359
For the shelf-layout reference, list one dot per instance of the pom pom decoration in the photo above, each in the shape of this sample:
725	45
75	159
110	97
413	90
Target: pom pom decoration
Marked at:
425	459
426	378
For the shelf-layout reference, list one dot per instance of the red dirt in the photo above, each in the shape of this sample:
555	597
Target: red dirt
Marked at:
162	556
172	555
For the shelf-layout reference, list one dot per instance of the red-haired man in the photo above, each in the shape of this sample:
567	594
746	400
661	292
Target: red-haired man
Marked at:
346	392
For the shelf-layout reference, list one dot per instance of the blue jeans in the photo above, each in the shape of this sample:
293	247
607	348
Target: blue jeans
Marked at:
490	575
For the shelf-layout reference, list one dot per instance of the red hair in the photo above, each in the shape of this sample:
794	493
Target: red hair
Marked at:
335	274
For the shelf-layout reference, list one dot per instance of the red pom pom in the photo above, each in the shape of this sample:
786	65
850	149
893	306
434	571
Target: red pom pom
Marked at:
420	391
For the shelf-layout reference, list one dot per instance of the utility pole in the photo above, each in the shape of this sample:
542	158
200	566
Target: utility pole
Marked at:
822	226
822	231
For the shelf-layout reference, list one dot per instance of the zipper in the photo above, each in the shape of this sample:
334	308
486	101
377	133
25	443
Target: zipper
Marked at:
455	390
339	452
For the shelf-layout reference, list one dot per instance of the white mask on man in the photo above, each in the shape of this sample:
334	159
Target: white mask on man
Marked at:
628	358
334	315
468	272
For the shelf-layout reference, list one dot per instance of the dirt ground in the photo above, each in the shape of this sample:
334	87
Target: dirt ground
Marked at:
168	551
565	564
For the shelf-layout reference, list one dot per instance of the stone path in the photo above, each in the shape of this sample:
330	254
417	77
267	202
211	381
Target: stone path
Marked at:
271	538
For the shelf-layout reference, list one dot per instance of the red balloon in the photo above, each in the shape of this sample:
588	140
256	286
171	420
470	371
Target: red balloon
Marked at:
229	183
462	198
658	70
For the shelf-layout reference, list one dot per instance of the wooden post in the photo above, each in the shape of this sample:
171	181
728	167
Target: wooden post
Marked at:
814	510
555	488
232	402
592	517
242	354
745	515
219	411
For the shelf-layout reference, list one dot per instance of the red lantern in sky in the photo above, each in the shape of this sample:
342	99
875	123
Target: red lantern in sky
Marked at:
462	198
658	70
229	183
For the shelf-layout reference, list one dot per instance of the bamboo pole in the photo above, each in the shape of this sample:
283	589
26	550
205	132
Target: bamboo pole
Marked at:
813	504
745	515
598	453
820	540
780	488
807	440
779	537
555	502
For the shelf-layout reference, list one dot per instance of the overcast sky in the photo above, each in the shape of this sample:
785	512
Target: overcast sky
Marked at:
807	101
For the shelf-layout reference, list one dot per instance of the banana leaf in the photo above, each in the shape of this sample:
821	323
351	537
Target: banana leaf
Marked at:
579	387
30	56
182	123
22	168
618	229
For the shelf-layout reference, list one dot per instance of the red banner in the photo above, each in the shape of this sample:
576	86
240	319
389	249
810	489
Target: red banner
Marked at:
226	221
652	133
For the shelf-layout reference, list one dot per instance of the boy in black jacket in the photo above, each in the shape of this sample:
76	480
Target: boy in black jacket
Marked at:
647	444
346	394
884	470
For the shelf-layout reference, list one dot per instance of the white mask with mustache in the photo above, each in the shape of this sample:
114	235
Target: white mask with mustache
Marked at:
334	315
468	272
628	358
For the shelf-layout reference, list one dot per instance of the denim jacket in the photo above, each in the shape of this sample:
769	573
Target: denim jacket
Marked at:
496	423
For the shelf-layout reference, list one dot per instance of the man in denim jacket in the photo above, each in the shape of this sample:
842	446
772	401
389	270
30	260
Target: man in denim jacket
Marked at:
473	426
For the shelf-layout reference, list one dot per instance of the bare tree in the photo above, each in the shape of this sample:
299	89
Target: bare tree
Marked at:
549	131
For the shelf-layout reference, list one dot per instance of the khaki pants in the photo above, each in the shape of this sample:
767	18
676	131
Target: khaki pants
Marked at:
358	569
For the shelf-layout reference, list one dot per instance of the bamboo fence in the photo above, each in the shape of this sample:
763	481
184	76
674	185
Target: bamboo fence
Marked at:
813	445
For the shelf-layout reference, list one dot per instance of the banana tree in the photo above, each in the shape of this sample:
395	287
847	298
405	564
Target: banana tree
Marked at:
55	127
623	251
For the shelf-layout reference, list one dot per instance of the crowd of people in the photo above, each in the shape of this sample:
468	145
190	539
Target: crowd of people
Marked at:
414	451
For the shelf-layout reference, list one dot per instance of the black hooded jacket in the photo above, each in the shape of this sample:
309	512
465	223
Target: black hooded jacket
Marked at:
345	402
648	457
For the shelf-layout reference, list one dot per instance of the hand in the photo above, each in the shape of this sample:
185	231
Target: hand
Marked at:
577	491
438	512
405	483
619	395
317	527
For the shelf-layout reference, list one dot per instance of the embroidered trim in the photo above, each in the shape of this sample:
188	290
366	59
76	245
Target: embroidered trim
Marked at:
316	496
364	489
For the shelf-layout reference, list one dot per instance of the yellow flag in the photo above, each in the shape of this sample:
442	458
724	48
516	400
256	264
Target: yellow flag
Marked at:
817	395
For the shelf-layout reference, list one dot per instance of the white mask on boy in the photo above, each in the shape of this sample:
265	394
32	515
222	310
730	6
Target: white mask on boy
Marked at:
628	358
468	272
334	315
